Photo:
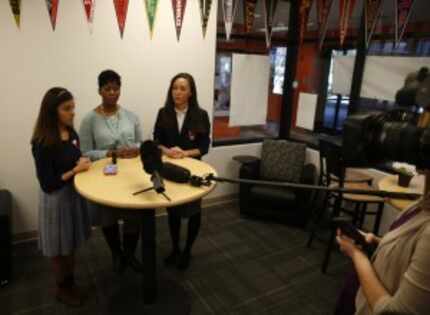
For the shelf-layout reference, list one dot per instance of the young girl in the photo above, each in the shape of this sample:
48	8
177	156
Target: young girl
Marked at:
63	218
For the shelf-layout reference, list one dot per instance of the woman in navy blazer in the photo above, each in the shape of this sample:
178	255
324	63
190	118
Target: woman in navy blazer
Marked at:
183	130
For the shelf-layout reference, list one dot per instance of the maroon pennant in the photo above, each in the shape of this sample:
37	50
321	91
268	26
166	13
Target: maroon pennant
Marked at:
323	11
121	8
403	12
372	13
178	13
346	7
249	7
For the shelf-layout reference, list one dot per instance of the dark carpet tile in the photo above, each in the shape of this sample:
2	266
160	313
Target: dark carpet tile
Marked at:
239	266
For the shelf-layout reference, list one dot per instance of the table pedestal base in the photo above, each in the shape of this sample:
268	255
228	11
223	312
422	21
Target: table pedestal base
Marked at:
171	299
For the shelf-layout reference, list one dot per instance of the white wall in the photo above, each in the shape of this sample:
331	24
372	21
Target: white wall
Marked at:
35	58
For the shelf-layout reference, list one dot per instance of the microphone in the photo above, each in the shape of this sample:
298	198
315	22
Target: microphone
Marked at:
150	156
182	175
175	173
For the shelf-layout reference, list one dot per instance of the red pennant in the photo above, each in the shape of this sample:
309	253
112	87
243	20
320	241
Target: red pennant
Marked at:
89	10
323	11
121	8
178	13
249	14
372	12
345	12
305	8
52	6
403	10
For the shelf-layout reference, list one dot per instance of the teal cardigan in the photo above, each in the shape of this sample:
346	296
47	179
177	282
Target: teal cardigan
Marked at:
99	134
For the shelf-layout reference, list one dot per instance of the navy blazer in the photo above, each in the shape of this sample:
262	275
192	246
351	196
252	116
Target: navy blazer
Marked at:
195	133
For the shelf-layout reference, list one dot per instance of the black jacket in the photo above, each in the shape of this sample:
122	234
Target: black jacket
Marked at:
195	133
53	161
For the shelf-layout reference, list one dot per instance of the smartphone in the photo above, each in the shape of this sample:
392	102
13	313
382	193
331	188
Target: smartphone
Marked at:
350	230
111	169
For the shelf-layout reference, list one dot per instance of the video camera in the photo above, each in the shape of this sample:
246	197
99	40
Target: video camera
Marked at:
375	137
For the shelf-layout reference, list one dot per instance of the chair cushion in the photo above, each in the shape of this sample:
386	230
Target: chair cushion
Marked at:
282	160
272	193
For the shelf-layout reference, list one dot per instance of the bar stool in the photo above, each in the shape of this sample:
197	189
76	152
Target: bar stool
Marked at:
334	174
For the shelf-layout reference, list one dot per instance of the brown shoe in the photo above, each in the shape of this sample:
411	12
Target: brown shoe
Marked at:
68	296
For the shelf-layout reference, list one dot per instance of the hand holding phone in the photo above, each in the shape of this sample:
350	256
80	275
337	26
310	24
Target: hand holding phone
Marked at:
349	230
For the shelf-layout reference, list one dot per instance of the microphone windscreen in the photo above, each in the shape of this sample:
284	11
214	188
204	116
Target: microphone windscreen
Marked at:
150	154
175	173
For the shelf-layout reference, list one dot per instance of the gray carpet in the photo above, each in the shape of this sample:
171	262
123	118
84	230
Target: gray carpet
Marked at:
239	266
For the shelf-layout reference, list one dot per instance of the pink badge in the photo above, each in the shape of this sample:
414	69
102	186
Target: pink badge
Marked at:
191	136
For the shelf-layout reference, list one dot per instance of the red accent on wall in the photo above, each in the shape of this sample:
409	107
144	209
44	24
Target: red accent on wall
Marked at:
221	130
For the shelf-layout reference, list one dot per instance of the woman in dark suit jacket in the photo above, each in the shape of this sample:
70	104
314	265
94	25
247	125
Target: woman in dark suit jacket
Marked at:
182	129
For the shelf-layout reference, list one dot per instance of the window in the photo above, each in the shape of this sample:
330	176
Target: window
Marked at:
336	105
223	133
410	48
278	57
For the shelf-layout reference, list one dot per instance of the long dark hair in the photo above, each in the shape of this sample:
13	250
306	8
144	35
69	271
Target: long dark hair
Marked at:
193	102
46	131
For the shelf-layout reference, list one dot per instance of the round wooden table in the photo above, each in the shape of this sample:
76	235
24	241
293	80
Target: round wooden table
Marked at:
117	191
390	183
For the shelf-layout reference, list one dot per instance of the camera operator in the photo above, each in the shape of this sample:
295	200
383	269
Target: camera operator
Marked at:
396	279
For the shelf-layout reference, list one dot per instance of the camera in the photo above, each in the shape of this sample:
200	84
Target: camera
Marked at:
376	137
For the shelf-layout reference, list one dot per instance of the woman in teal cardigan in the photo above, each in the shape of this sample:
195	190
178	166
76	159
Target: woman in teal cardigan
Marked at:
107	129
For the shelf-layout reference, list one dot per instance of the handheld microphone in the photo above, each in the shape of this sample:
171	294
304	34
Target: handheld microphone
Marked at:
150	156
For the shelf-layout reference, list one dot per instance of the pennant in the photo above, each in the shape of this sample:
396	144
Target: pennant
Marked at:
205	11
121	8
305	9
403	12
345	12
16	10
372	13
323	12
89	11
229	8
52	6
269	7
151	11
178	13
249	14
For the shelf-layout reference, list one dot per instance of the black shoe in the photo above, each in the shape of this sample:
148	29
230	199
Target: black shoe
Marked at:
172	259
132	261
184	261
118	262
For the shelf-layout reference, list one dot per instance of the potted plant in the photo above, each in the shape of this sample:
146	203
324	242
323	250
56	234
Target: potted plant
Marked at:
405	176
